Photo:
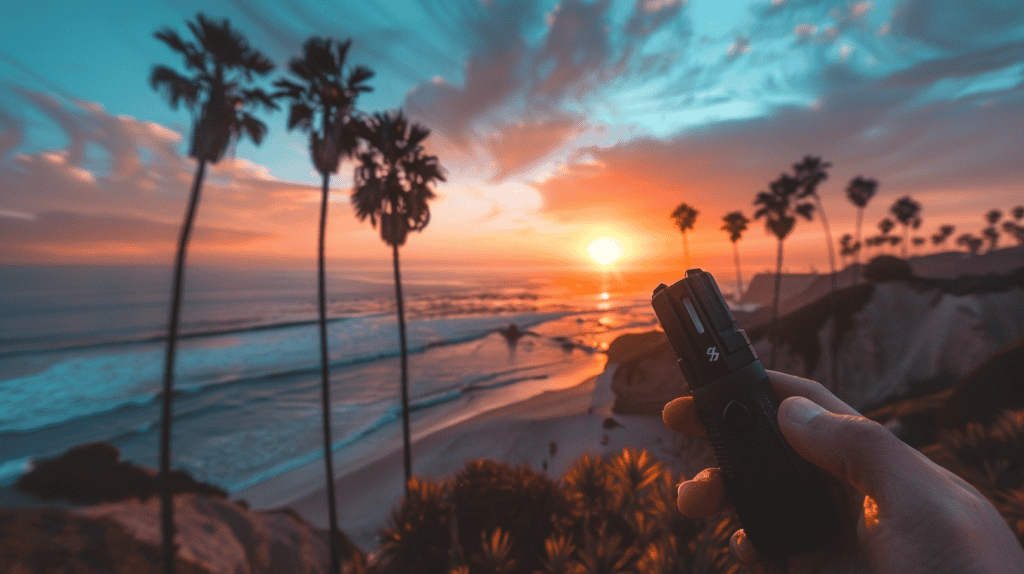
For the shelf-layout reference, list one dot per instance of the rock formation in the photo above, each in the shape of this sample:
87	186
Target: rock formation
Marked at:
893	339
122	533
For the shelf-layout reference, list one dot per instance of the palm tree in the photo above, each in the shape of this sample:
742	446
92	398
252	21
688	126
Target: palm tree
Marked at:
735	225
393	184
970	242
779	208
811	172
685	217
847	248
1014	227
322	103
944	233
221	67
885	226
908	213
991	232
859	192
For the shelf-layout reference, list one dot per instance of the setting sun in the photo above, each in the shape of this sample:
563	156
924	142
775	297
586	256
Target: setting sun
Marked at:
604	250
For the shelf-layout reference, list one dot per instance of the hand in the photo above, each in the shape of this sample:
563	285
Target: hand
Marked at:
901	512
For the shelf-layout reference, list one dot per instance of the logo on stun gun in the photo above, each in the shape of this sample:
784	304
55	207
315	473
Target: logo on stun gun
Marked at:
713	353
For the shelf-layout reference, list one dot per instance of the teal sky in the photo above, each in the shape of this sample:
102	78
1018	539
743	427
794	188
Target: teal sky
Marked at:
552	118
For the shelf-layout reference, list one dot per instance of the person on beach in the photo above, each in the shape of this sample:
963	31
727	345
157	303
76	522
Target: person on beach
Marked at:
902	513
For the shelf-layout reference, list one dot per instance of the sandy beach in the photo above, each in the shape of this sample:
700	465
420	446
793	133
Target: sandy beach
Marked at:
571	419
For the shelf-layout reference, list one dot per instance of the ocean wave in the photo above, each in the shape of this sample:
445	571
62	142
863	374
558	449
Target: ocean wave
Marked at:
88	386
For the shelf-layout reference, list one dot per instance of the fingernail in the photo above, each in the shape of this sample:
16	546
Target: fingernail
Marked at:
742	545
801	411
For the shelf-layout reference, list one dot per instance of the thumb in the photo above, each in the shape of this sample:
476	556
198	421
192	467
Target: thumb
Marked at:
856	449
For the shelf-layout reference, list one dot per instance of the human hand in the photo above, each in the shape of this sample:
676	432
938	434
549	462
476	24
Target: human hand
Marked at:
901	512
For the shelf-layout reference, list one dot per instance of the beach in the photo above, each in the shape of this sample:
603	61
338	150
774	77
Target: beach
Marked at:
522	433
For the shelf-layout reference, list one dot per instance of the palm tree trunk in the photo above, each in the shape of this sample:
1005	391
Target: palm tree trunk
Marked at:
860	220
775	304
166	496
325	382
686	251
835	286
405	374
906	239
739	278
828	238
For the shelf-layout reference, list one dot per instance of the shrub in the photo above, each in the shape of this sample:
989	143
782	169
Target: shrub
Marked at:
887	268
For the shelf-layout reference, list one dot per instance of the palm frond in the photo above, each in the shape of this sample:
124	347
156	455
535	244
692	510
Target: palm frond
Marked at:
356	78
253	127
300	115
176	87
257	97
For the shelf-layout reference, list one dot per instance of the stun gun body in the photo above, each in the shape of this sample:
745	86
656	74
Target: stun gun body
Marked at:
780	498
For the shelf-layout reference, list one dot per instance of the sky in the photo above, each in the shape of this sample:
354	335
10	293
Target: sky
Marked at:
557	122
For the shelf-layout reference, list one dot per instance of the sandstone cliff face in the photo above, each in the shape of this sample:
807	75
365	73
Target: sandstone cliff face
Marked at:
895	339
904	339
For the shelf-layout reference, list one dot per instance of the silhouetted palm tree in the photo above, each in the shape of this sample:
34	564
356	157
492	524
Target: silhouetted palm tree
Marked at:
908	212
1014	230
859	192
970	242
885	226
322	103
221	67
811	172
735	225
847	248
991	232
779	208
1015	227
393	184
685	217
944	233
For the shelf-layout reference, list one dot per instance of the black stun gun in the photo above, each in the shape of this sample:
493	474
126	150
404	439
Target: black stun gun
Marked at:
780	498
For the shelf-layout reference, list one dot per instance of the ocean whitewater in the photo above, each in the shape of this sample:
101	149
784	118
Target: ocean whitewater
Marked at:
81	359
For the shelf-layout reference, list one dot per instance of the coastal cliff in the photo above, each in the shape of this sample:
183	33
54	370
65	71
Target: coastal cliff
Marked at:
98	514
892	338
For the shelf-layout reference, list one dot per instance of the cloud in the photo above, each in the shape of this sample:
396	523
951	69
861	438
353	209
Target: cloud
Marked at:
68	235
958	25
12	132
129	197
970	64
576	48
518	146
967	147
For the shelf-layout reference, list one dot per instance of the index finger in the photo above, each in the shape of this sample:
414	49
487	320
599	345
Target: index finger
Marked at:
681	416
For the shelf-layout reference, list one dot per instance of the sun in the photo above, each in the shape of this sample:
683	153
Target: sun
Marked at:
604	250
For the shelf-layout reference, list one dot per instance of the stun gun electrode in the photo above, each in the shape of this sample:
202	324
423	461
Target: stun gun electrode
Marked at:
780	498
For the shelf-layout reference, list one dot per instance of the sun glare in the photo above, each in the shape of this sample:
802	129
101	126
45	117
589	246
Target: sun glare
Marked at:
604	250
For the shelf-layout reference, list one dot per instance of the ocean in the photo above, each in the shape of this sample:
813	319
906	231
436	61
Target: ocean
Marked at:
81	359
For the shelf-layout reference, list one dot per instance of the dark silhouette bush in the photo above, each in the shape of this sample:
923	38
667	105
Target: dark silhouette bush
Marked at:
527	504
888	268
93	473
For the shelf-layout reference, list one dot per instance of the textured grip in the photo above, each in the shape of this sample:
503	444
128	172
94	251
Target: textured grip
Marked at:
780	498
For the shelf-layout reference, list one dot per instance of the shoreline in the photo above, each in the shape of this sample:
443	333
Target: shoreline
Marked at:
519	433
